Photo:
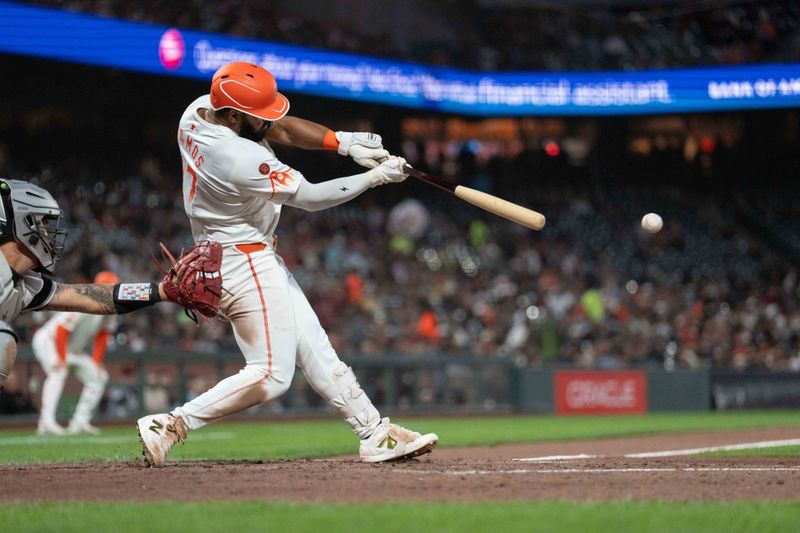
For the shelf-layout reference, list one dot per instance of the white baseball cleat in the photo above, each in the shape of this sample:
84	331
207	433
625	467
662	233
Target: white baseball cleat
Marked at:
158	434
82	428
50	430
390	441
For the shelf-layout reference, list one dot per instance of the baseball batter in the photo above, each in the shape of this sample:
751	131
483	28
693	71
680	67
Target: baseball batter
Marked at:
61	345
234	188
31	243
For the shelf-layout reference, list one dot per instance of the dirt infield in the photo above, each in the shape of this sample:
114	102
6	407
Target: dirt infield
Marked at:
507	472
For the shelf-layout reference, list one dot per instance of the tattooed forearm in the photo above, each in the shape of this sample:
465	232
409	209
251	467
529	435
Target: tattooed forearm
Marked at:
95	299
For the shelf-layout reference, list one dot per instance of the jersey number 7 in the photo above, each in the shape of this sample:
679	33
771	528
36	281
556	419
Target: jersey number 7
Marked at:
193	189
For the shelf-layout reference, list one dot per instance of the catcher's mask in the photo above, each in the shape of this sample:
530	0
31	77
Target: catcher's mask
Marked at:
30	215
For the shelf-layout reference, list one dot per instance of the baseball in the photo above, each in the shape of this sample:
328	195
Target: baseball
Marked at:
652	223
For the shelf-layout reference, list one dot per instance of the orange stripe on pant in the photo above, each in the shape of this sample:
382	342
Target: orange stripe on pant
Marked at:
62	339
248	249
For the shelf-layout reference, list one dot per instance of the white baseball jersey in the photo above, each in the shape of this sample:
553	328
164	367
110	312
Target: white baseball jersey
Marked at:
20	293
233	188
83	329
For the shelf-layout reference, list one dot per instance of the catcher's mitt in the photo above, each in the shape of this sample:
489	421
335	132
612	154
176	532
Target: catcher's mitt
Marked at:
194	280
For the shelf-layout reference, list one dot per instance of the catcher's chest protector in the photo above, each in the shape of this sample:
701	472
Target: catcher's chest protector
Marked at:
15	297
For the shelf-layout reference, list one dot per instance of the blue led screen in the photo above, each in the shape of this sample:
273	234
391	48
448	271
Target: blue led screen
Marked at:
94	40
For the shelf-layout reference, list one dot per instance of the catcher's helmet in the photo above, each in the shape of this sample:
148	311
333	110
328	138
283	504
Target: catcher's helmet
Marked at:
30	215
248	88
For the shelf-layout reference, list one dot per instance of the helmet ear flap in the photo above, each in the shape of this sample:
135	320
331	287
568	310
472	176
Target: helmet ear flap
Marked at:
6	209
33	238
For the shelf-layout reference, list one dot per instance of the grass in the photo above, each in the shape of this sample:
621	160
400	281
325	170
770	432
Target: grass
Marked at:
775	451
288	440
599	517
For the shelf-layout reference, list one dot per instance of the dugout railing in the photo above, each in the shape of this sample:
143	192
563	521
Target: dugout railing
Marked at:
156	381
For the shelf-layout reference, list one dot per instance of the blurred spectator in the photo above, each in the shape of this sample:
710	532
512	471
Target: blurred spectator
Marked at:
427	325
355	288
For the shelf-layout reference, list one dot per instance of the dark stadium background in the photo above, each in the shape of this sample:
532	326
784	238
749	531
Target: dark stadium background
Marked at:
716	290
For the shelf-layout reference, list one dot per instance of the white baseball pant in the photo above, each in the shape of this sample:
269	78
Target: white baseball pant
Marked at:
276	329
93	377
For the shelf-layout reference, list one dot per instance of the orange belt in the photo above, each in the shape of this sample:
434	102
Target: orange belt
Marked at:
250	247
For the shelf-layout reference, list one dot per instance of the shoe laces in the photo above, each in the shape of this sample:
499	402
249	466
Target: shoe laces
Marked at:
176	430
399	433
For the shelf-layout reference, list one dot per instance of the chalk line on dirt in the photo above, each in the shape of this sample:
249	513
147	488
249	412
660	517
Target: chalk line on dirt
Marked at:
626	470
729	447
667	453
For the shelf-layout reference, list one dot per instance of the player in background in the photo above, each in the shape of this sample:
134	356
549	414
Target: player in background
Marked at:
31	242
234	188
60	345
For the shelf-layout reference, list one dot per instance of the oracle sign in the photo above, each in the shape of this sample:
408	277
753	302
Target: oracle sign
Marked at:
600	392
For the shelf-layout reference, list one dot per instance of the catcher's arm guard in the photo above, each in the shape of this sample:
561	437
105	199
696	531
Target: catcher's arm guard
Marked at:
194	280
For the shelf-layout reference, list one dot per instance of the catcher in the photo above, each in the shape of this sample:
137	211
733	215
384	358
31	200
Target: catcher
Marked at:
31	242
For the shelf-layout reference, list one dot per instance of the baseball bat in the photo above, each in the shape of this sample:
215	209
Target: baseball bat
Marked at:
509	210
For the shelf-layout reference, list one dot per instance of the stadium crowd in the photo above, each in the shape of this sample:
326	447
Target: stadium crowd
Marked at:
391	274
545	36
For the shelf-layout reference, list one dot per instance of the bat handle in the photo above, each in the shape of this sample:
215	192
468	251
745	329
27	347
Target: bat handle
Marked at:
432	180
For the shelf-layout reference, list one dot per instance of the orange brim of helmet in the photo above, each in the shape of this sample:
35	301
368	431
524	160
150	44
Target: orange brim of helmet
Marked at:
276	111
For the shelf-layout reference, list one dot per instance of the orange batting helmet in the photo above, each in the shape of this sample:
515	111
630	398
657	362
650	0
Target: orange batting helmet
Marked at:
248	88
106	277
